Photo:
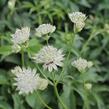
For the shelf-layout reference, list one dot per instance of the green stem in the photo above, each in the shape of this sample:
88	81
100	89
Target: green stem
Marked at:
69	53
43	102
44	74
57	94
86	43
22	57
66	62
47	39
93	34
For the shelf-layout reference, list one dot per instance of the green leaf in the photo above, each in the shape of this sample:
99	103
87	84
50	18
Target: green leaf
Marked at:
5	50
18	103
3	78
34	46
4	105
34	101
68	97
90	76
99	101
84	95
85	3
13	59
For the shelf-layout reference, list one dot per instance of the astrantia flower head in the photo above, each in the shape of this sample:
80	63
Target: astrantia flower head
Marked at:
76	17
21	35
81	64
45	29
51	57
27	80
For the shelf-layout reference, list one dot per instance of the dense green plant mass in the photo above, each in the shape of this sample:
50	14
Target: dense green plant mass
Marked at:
68	87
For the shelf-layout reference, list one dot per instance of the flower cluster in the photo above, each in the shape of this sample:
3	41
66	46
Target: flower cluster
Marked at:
78	19
27	80
20	37
45	29
81	64
51	57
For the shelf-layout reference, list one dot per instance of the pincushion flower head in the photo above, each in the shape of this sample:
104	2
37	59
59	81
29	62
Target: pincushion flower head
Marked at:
81	64
27	80
50	56
20	37
78	18
45	29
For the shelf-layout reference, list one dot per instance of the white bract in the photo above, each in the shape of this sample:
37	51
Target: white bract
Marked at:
45	29
27	80
78	18
11	4
21	35
79	26
81	64
43	83
51	57
16	48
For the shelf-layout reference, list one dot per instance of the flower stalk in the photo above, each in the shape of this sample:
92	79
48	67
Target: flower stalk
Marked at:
22	57
43	102
57	94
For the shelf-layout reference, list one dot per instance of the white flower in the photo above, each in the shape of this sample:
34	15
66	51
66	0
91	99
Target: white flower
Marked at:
76	17
50	57
27	80
45	29
11	4
21	35
81	64
88	86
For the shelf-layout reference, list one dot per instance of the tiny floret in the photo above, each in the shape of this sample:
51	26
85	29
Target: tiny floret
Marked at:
50	56
81	64
45	29
27	80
